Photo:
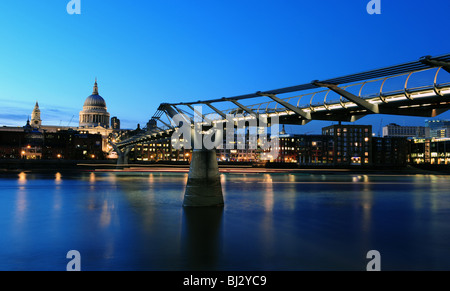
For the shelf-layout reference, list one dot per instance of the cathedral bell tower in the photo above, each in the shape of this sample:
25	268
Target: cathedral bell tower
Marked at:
36	117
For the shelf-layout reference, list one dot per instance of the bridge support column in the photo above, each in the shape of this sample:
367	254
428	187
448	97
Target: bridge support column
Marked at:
120	159
203	187
123	157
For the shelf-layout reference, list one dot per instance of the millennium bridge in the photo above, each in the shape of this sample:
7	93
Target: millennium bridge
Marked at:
417	88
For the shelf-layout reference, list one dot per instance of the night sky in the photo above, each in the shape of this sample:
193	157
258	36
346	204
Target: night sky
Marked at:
147	52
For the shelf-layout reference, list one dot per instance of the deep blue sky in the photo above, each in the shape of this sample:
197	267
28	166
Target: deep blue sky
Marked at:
147	52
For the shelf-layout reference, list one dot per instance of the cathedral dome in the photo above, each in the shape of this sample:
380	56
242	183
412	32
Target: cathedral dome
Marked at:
94	111
95	100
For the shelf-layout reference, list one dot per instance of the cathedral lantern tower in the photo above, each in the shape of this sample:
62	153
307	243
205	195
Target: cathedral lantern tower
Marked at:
36	121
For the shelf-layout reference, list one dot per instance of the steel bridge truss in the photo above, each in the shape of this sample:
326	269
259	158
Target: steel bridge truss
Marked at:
419	88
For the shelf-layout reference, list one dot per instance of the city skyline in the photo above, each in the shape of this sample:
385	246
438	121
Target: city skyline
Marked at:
146	53
62	116
225	141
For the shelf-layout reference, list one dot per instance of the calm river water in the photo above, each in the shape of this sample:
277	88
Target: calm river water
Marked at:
135	221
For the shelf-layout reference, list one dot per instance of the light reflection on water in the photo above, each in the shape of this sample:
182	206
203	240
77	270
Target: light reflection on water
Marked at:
134	221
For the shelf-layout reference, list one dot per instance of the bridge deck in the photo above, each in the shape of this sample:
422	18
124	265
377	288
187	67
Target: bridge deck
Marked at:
419	88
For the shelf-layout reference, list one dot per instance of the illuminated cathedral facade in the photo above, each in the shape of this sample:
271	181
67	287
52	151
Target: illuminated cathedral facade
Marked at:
95	112
93	119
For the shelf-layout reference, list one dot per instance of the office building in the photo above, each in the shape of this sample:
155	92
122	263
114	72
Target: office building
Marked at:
438	128
115	123
352	143
395	130
435	151
389	151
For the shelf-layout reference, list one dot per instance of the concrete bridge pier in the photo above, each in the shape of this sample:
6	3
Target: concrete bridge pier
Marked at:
203	186
123	157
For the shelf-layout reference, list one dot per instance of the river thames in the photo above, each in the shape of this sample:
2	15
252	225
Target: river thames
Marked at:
271	221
